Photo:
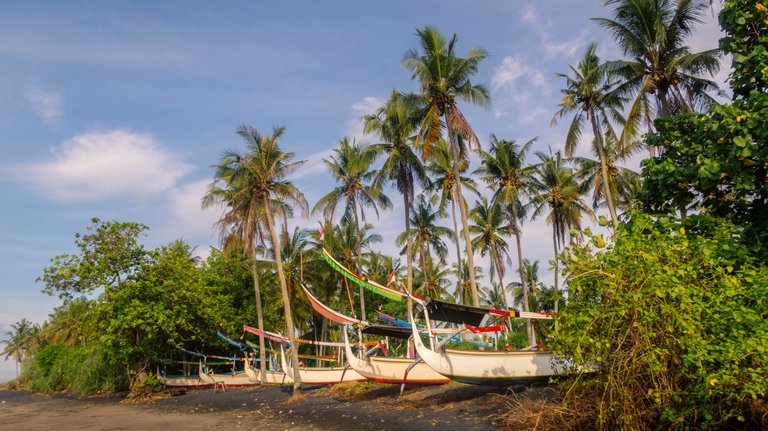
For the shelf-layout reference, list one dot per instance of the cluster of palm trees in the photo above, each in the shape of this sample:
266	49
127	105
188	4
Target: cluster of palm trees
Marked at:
423	148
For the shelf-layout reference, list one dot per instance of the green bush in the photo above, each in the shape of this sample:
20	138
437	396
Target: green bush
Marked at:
674	317
84	370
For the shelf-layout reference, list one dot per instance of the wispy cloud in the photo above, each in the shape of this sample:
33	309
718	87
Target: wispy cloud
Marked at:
46	103
354	124
99	165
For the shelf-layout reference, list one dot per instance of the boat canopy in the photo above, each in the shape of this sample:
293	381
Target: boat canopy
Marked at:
455	313
388	331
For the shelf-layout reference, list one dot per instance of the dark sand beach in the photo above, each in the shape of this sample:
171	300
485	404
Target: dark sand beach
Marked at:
380	407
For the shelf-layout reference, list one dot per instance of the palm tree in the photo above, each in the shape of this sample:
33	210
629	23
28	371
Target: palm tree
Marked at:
395	122
444	78
463	292
555	187
531	271
503	169
240	227
426	235
433	279
488	225
444	183
622	182
588	92
660	70
22	340
350	166
67	324
261	174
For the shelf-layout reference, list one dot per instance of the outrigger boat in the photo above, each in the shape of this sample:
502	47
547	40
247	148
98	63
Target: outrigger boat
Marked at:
497	368
321	375
377	368
493	368
194	380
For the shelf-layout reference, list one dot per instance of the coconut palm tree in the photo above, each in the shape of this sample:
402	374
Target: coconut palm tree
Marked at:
67	324
504	170
433	279
395	122
555	190
622	182
240	226
443	183
488	223
350	166
426	235
21	341
444	79
531	270
660	69
463	292
589	93
260	173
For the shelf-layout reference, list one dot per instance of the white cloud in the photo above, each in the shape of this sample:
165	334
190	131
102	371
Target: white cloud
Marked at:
186	217
99	165
354	124
568	48
507	73
46	103
529	16
314	165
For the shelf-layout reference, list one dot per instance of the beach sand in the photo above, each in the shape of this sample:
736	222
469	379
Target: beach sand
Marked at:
380	407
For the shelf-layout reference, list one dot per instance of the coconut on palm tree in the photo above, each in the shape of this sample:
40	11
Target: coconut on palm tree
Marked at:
350	166
445	78
590	93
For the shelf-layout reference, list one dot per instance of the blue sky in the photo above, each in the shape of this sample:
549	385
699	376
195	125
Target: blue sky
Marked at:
118	109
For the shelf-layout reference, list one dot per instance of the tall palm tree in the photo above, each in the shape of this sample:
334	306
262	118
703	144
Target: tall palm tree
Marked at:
504	170
622	182
660	70
426	235
531	270
488	224
395	123
463	292
350	166
21	341
589	93
240	226
444	181
444	78
556	191
261	174
433	279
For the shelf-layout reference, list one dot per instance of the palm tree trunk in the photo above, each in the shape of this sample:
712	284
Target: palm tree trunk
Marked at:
359	258
523	278
603	168
286	298
408	254
557	288
456	235
464	218
500	271
259	315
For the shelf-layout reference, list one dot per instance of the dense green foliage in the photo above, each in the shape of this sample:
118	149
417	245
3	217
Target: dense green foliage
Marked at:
86	369
746	25
674	318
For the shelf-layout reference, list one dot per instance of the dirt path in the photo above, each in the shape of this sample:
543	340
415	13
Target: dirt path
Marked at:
380	407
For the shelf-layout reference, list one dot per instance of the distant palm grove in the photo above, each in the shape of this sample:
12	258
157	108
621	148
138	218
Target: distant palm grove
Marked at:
669	304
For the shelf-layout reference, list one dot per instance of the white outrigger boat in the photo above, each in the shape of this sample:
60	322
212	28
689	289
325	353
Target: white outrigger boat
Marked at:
321	375
493	368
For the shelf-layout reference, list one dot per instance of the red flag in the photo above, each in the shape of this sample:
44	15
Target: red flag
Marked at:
391	278
322	234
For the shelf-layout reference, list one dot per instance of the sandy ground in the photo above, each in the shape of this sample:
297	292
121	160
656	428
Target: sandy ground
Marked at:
446	407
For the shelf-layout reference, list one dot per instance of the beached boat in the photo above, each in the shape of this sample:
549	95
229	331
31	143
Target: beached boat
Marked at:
321	375
194	380
274	377
493	368
391	370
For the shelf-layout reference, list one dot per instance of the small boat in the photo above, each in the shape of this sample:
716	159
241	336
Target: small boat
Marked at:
391	370
321	375
493	368
236	378
273	377
193	380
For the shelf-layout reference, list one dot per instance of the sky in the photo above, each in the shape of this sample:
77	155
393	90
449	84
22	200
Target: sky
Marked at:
117	109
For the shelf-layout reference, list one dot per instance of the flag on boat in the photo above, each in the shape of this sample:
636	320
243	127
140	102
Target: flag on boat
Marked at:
391	278
322	234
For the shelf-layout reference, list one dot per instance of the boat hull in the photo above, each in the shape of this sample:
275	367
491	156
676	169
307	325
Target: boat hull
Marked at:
322	376
392	370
